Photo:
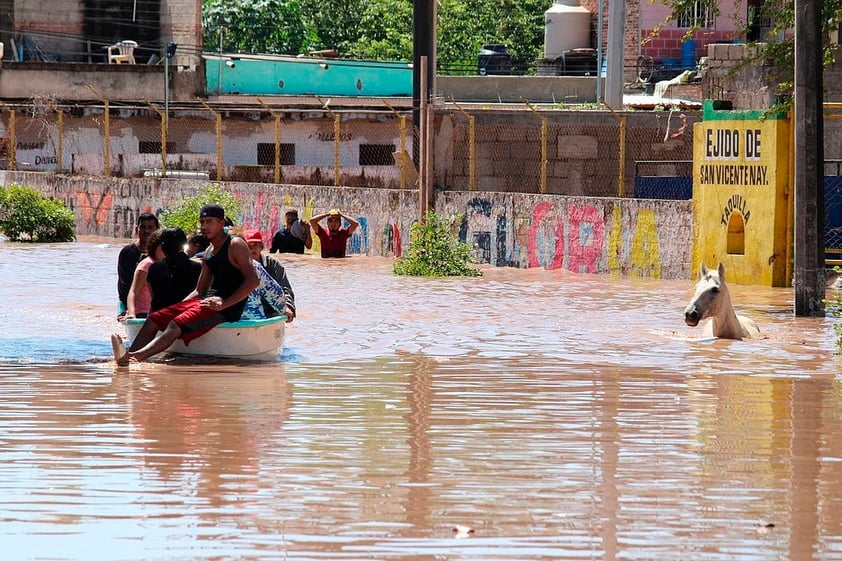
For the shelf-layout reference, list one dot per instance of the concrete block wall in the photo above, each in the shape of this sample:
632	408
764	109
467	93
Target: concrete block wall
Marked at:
583	149
728	78
630	237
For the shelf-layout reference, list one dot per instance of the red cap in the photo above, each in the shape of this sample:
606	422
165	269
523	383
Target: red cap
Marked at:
253	236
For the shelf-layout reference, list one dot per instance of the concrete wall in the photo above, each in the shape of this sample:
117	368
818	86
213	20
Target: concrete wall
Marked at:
585	235
514	89
754	86
69	81
728	78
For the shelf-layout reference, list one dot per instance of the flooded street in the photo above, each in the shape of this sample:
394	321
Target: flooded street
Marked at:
555	415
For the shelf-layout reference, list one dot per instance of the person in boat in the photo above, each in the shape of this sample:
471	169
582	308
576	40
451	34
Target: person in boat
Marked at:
140	297
277	273
226	279
268	300
196	245
175	275
334	239
294	237
131	255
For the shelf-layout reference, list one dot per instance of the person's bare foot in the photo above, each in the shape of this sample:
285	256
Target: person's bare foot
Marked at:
121	355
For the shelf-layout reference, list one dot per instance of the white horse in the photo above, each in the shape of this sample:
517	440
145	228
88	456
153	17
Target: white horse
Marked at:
712	301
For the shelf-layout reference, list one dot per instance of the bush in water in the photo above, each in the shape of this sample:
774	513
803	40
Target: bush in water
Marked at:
185	215
435	252
833	306
26	216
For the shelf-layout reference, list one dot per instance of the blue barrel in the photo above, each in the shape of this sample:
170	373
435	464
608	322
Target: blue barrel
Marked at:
688	54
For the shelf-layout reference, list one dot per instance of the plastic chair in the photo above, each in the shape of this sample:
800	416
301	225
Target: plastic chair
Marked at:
121	52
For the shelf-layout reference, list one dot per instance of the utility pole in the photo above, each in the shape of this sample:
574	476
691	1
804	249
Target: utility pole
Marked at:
423	45
809	161
614	79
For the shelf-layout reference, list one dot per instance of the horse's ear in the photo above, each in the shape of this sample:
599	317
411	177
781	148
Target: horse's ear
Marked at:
721	270
703	271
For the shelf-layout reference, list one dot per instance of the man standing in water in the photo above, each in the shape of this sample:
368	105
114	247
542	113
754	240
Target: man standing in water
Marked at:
334	240
226	280
294	237
131	255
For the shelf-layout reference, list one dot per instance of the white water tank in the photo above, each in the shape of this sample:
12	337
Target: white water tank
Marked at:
567	25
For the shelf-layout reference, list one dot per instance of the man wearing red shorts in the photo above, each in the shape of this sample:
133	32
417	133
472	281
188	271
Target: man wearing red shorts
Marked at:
226	280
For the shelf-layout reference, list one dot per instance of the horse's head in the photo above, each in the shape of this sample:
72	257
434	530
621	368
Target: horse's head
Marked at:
709	291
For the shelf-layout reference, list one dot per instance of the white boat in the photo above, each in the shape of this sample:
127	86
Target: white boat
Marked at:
255	339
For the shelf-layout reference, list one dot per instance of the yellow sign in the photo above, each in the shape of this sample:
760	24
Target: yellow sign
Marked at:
740	195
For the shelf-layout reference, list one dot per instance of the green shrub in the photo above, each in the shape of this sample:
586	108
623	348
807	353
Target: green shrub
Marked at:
185	215
833	307
435	252
26	216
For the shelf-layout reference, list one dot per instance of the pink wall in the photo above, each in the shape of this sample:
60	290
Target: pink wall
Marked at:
667	44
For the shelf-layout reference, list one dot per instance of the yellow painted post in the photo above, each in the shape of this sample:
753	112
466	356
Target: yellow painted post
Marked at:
277	117
277	148
621	172
336	155
544	155
60	148
544	143
472	146
13	139
220	165
336	140
402	151
107	125
163	116
107	132
218	115
472	152
59	143
621	152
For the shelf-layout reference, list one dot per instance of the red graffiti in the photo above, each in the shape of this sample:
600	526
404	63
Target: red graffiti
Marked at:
396	240
585	235
538	214
99	209
585	238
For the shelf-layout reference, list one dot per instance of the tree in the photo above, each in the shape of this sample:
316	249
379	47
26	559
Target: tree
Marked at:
375	29
185	215
464	26
386	28
27	216
435	251
255	26
336	24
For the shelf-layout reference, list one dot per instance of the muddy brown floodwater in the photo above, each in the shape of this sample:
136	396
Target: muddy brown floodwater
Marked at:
543	414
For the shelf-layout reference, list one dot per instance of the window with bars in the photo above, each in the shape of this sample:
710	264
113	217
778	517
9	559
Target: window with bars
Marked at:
153	147
701	14
266	154
377	154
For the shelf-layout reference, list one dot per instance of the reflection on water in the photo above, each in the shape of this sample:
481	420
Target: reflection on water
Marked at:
558	415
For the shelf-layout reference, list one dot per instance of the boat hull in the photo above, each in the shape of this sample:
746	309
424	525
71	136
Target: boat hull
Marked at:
259	339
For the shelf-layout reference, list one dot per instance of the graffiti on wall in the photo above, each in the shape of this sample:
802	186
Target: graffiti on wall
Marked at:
564	236
582	235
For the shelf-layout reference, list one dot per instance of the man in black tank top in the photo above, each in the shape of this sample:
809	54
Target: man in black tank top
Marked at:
225	282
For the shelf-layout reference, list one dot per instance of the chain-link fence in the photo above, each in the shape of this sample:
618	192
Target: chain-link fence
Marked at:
575	153
311	147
